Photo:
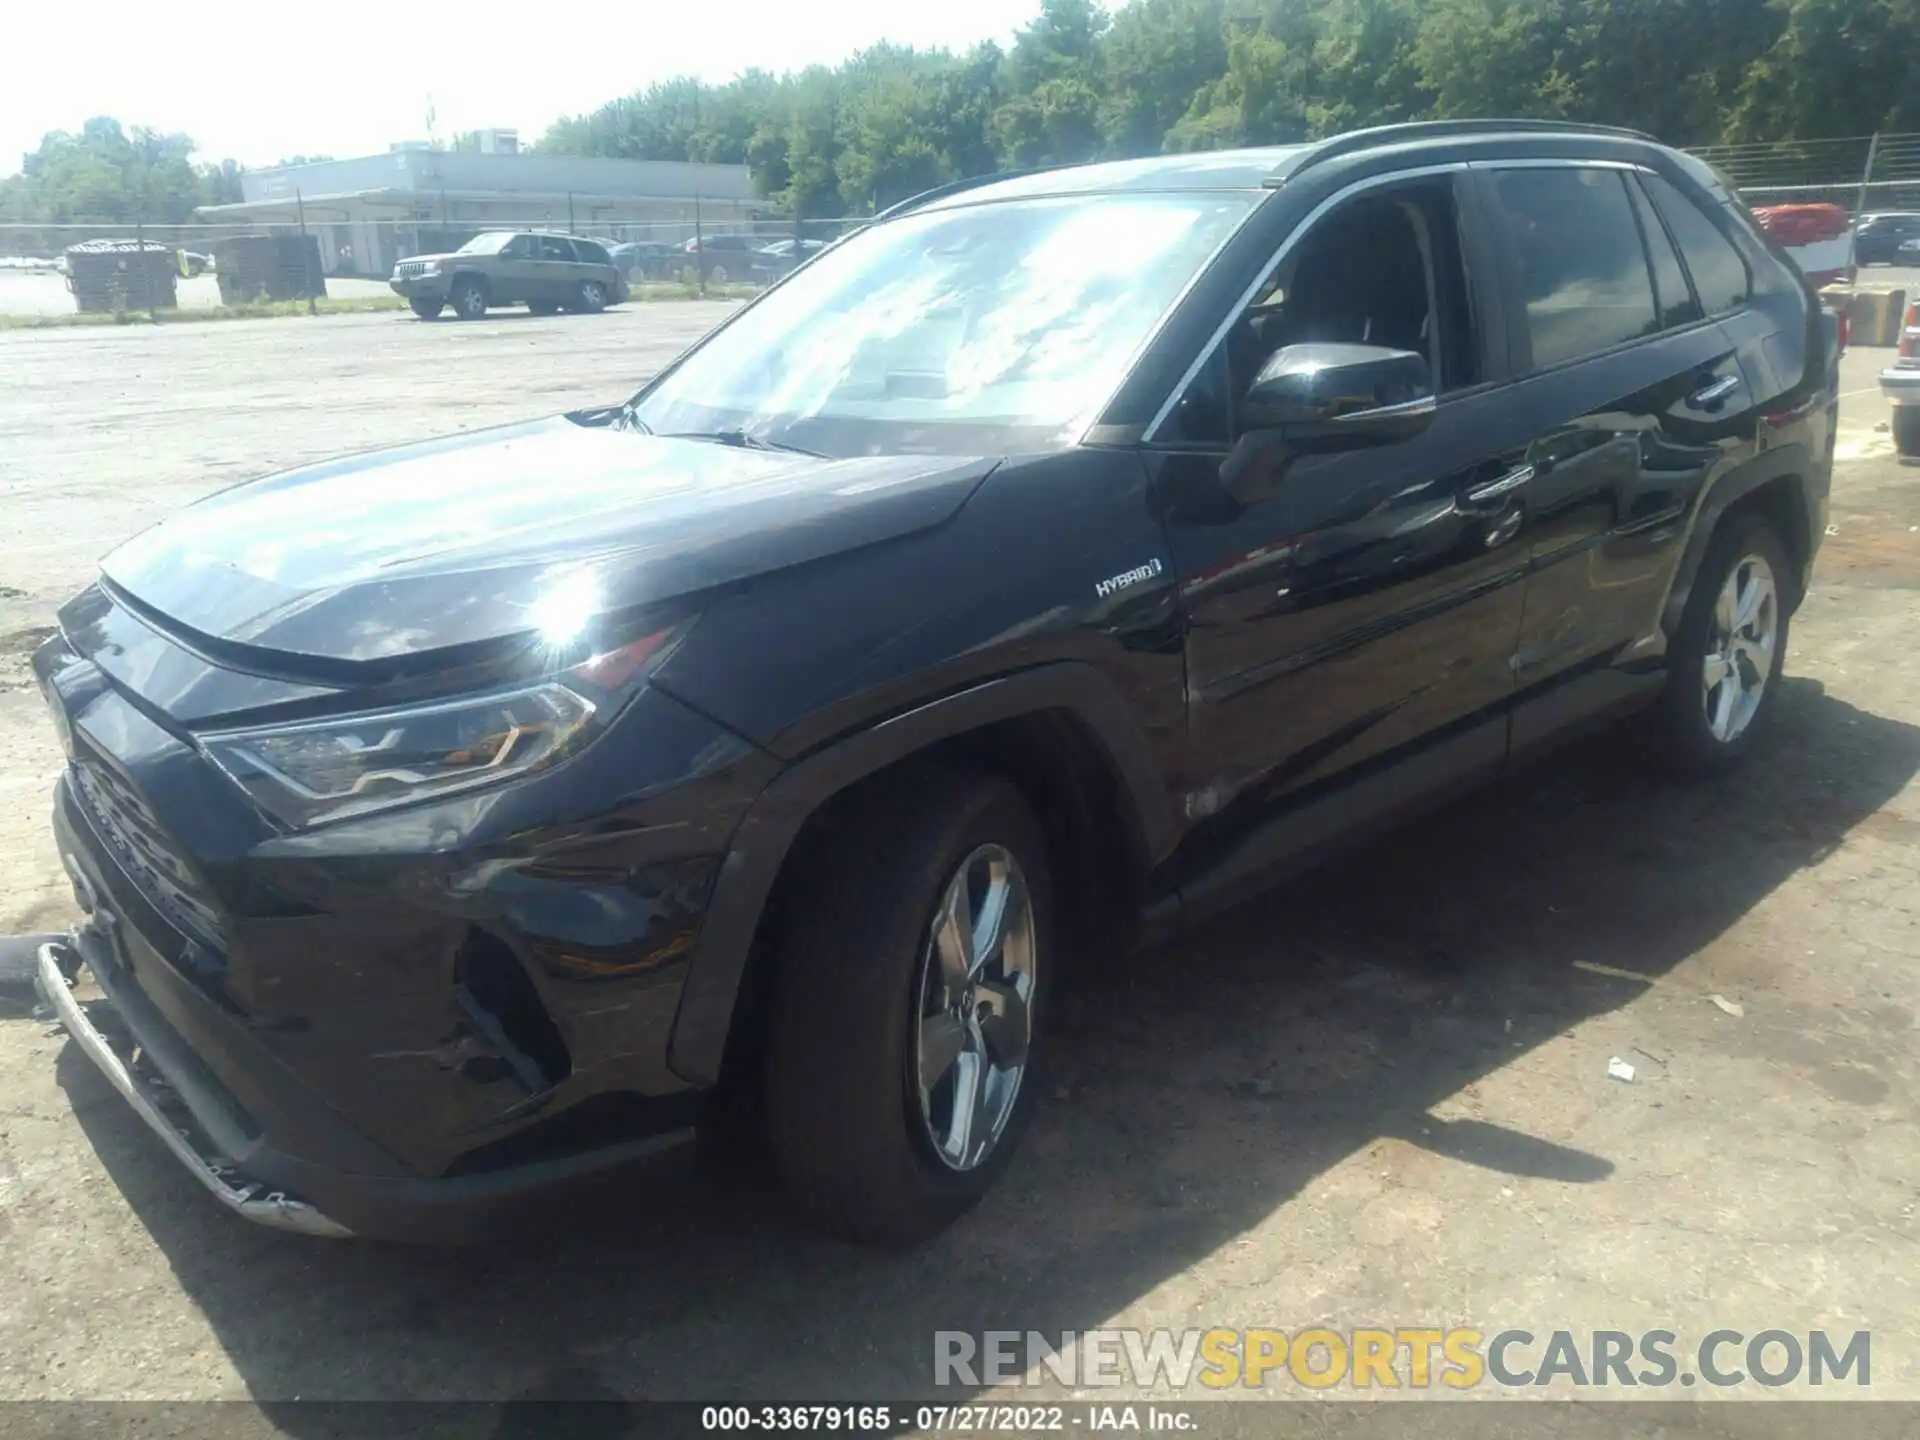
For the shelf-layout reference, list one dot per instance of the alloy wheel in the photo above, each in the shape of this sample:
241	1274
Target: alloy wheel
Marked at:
973	1016
1740	645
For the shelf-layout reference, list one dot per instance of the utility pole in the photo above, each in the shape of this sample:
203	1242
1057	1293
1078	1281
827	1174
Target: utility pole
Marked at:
306	270
1866	177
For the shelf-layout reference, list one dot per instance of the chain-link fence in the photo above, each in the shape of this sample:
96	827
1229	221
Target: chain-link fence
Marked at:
1863	173
341	255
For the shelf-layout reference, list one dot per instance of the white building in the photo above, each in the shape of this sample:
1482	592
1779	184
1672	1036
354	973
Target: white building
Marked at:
370	212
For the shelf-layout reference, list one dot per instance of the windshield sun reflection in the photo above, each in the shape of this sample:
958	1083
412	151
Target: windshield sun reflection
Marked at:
1022	315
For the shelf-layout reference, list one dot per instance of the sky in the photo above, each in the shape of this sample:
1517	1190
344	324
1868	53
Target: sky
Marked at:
260	82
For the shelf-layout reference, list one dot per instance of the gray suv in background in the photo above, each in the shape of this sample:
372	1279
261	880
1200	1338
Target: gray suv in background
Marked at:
545	272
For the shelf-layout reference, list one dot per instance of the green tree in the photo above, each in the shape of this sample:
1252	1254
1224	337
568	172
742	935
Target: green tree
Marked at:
1082	82
1159	55
1837	67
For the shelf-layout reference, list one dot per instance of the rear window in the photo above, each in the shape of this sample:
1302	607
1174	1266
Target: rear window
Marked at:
1677	305
592	253
1582	270
1719	274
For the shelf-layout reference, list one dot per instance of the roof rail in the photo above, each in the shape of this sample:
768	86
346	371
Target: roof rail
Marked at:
1339	145
953	187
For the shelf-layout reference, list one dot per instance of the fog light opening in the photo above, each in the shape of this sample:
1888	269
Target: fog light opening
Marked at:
502	1002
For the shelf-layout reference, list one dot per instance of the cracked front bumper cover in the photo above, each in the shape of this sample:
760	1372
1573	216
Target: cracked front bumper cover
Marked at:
140	1072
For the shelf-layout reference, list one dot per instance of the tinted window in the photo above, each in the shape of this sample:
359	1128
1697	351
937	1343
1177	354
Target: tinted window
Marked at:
1677	305
553	247
520	247
592	253
1719	274
1583	273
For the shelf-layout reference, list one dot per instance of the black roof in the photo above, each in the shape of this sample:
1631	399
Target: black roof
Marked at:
1248	169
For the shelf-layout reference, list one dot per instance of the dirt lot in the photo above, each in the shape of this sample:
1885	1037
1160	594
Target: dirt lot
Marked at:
45	292
1378	1097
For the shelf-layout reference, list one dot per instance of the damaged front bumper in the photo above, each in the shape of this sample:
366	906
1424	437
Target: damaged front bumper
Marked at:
162	1088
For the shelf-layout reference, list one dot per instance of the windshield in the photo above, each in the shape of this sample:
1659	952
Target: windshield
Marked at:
988	328
490	244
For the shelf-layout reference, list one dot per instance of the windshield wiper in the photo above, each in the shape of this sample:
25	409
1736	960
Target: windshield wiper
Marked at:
742	440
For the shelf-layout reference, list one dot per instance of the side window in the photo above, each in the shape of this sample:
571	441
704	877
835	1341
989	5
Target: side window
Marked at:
1384	269
1582	270
518	248
554	247
592	253
1719	274
1677	305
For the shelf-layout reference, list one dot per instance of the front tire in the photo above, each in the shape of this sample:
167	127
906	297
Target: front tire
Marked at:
426	309
907	1004
1725	661
1906	430
469	299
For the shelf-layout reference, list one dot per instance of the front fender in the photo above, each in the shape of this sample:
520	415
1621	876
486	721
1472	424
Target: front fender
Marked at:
766	834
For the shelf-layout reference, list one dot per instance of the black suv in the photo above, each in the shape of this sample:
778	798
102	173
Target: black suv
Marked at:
1053	562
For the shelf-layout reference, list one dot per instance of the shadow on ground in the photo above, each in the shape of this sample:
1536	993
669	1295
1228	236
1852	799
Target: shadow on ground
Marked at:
1194	1091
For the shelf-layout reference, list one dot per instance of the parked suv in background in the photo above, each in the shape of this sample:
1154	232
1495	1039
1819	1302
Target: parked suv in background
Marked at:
726	257
460	821
1879	237
542	271
646	259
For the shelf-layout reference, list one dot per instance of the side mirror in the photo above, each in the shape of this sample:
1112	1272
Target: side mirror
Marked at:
1321	397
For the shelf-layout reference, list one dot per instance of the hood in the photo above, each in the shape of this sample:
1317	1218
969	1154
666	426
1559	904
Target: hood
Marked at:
475	537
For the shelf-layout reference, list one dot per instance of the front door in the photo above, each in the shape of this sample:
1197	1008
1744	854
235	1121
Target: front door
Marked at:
1371	604
516	273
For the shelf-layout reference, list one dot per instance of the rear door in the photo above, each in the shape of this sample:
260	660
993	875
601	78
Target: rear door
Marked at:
557	270
1635	397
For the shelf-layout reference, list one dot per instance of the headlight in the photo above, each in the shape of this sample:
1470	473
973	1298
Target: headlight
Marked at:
326	769
432	267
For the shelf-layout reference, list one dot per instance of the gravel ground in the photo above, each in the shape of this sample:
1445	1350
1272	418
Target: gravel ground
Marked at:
44	292
1376	1097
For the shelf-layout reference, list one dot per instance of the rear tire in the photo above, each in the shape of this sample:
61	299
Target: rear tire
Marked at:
591	298
468	298
1906	430
426	309
895	1096
1725	661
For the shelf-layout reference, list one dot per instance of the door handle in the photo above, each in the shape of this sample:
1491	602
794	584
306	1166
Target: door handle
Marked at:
1712	395
1505	485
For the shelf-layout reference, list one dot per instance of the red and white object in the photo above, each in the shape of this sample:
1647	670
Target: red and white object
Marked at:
1818	237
